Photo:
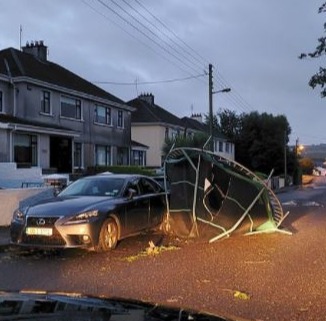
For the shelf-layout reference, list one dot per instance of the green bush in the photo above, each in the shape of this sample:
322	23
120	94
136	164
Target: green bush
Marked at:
120	170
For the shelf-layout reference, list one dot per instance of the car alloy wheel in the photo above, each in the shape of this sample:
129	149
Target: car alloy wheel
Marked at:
108	236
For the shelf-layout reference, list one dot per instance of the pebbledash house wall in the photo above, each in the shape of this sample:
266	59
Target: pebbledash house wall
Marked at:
4	143
22	98
89	133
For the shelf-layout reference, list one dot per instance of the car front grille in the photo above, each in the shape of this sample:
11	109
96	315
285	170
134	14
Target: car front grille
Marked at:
48	221
54	240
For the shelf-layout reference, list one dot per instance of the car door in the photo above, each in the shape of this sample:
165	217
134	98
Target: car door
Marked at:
137	209
156	198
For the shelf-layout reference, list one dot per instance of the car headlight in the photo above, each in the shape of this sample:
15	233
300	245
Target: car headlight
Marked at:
85	216
18	215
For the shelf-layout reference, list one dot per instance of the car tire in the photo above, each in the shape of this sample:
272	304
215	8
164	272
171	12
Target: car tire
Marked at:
108	238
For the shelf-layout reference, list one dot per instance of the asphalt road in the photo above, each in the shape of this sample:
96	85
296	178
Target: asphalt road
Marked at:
261	277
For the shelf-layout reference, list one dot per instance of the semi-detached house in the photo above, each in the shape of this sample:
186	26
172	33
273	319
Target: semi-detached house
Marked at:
54	119
151	125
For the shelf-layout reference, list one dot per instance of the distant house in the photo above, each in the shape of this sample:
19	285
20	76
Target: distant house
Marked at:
221	144
151	125
138	154
54	119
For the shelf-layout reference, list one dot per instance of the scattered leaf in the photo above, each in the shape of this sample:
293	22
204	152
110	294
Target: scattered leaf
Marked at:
241	295
152	249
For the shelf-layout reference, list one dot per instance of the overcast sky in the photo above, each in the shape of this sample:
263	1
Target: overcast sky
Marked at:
163	47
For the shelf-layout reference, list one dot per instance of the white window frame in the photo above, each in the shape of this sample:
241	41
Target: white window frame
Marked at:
108	115
43	103
220	146
227	148
81	155
120	116
75	103
108	155
33	141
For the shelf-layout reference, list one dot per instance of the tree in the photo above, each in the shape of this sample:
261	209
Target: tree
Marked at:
197	140
319	78
260	139
307	165
230	124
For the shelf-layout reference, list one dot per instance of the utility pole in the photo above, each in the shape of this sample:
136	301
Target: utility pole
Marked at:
210	96
210	99
285	160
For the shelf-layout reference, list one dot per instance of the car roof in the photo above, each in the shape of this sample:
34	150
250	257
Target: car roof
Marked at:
122	176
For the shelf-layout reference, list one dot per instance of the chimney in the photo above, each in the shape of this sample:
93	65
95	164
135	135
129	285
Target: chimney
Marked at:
197	117
149	98
37	49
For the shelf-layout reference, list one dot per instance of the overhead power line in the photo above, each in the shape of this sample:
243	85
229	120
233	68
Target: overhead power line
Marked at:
100	12
148	82
235	97
168	44
143	30
166	39
171	34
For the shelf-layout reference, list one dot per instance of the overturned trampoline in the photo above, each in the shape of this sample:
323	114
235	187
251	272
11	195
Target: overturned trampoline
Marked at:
213	197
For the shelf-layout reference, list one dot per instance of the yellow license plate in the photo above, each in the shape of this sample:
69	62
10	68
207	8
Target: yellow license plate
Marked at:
39	231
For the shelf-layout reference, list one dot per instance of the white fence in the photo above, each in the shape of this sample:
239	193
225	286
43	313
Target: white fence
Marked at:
13	177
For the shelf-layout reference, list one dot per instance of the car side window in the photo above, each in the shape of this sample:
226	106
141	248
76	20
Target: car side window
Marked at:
132	185
147	186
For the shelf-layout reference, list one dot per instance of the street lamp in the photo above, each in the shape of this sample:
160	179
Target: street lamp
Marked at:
297	152
225	90
211	126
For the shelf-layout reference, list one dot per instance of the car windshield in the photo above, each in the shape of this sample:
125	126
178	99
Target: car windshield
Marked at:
95	187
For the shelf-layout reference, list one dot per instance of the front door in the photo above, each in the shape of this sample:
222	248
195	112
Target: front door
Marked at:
61	154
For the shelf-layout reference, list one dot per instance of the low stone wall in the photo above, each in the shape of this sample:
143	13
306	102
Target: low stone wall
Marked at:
10	199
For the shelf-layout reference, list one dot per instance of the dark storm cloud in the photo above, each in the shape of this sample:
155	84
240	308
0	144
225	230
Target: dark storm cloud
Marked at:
252	44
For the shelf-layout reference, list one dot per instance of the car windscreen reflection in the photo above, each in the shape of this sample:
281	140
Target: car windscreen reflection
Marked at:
57	306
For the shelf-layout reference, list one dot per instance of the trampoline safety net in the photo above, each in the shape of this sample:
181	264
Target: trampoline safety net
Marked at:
213	197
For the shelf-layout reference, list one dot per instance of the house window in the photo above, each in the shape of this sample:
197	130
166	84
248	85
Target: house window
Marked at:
122	156
120	119
1	102
227	147
103	115
78	160
138	158
166	133
25	150
45	102
220	147
102	155
70	107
